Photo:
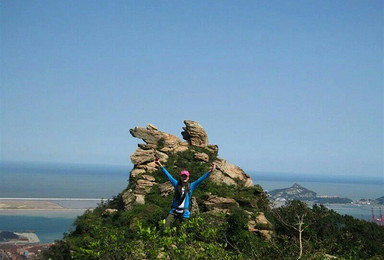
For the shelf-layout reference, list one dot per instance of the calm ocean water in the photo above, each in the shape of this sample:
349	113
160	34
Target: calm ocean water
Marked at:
26	180
61	181
48	226
78	181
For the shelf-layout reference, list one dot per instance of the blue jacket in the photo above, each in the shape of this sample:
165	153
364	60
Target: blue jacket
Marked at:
193	186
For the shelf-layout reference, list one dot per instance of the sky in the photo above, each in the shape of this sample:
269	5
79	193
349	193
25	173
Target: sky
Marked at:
279	86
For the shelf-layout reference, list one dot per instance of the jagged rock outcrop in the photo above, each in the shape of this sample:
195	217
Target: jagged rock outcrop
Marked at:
161	145
201	157
219	204
261	225
230	174
195	134
165	189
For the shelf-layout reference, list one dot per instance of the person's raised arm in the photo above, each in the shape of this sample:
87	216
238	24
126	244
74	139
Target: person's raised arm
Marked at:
206	175
169	176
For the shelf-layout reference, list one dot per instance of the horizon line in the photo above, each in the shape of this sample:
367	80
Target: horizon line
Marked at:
250	172
61	199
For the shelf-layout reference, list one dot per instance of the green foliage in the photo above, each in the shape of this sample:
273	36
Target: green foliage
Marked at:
153	197
116	202
185	160
59	251
140	233
237	221
329	232
249	198
160	143
197	239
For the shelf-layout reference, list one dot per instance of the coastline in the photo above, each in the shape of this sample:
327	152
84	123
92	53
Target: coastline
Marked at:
41	213
29	205
47	203
63	208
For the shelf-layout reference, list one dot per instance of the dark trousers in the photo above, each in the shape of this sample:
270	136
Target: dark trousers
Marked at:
173	218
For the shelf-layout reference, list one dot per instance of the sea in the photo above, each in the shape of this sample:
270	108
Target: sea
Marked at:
81	187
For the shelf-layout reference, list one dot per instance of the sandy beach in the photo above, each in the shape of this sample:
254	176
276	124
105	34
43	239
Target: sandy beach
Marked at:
64	209
29	204
46	204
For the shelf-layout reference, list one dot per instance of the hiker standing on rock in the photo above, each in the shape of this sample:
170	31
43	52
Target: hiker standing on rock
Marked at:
183	193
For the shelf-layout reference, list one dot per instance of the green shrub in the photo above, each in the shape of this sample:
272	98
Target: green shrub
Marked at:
160	143
140	233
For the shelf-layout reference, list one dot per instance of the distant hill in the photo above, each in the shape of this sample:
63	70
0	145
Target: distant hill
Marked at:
6	235
26	238
380	200
296	192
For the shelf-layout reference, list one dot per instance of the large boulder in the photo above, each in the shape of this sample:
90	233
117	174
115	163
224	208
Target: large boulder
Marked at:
154	138
144	184
230	174
219	204
165	189
141	156
195	134
130	198
261	225
201	157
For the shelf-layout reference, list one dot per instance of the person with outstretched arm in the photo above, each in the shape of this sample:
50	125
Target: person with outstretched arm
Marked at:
183	193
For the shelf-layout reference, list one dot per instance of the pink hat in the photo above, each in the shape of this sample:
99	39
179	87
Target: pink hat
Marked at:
184	172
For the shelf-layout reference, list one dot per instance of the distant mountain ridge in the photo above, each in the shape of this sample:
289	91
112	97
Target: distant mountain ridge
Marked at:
312	177
380	200
297	192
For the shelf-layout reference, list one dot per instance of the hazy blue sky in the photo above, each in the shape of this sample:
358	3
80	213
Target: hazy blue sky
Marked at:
280	86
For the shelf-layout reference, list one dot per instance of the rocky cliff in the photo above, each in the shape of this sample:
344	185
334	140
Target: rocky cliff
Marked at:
194	153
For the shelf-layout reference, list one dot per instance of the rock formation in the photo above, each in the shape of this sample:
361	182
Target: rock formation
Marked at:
160	144
261	225
163	146
230	174
195	134
220	204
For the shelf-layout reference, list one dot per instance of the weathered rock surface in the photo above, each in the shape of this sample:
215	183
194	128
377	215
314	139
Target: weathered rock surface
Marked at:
266	234
142	156
165	189
110	211
261	225
201	157
195	134
214	149
195	207
151	136
136	172
220	204
262	221
132	198
230	174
